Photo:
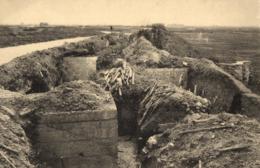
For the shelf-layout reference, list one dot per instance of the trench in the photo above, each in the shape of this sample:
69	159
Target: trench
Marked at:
48	135
115	137
93	142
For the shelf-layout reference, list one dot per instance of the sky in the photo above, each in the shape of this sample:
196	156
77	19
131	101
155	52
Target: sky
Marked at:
132	12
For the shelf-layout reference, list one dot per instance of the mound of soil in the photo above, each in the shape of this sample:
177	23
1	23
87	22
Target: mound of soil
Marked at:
203	140
161	38
142	52
15	147
73	96
167	104
108	56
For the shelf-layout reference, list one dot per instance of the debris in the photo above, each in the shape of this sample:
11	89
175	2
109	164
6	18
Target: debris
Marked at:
200	164
8	149
117	78
207	144
167	104
206	129
7	160
234	148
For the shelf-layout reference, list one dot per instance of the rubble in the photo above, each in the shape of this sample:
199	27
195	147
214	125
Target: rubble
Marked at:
206	140
164	104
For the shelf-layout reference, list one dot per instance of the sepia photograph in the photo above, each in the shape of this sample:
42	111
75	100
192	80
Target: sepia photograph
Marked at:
130	84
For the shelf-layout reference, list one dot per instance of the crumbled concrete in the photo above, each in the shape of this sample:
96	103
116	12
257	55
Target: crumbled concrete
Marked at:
240	70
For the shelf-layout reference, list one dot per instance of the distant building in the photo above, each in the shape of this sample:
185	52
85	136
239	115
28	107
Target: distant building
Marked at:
44	24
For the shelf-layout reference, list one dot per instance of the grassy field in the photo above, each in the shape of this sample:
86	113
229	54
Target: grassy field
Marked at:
227	45
18	35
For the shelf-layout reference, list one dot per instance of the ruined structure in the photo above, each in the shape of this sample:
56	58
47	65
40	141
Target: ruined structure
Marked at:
240	70
65	118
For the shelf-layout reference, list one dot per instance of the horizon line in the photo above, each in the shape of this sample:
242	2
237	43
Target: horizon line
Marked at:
167	25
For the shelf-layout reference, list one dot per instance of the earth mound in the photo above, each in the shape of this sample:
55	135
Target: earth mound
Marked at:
161	38
15	146
167	104
73	96
142	52
206	140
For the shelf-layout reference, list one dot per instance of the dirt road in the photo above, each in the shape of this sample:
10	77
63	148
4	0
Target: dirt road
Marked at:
9	53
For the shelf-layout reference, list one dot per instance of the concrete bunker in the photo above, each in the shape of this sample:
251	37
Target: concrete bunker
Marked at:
76	127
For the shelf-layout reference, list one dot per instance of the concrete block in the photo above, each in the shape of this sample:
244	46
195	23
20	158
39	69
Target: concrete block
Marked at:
250	105
78	116
83	162
67	132
79	138
94	147
177	76
79	68
240	70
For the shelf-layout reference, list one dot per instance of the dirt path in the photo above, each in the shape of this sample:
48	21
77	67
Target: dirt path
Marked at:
9	53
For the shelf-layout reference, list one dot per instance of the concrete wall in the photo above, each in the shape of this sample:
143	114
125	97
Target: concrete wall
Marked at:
240	70
220	92
212	82
79	68
178	76
78	139
250	105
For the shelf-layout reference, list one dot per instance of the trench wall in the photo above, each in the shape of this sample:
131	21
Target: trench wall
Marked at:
225	92
128	104
78	139
178	76
250	105
240	70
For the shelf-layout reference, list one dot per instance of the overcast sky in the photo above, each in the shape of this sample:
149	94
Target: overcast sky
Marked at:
132	12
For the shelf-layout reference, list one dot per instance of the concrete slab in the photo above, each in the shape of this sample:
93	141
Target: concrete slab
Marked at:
79	68
66	132
177	76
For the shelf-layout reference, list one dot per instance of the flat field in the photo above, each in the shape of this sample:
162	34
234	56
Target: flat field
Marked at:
227	45
19	35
